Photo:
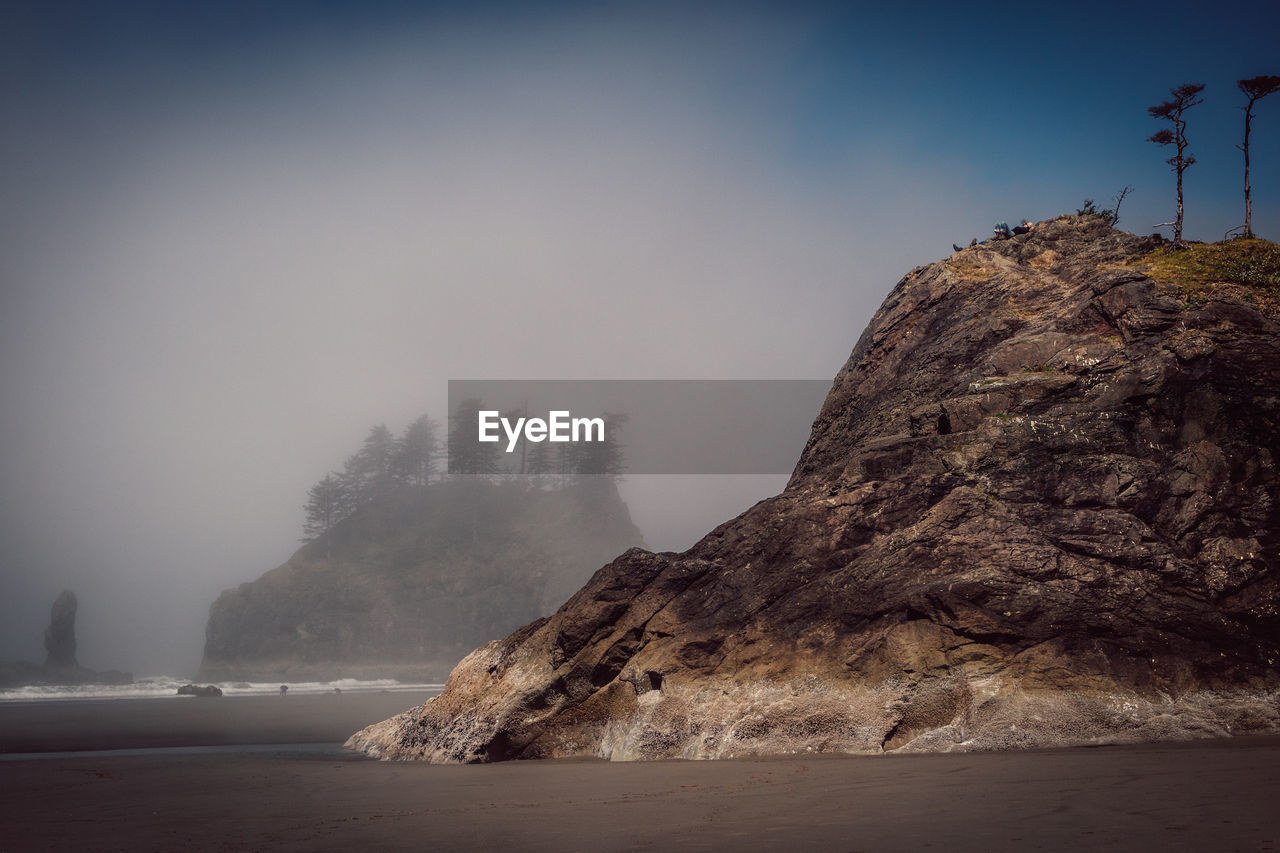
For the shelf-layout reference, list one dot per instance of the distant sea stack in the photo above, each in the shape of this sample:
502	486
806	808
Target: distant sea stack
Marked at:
60	636
413	581
1040	506
60	665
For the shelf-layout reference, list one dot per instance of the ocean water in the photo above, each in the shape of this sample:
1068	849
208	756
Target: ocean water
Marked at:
164	686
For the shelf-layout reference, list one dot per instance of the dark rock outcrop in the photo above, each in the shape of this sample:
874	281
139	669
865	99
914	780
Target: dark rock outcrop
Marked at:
412	582
202	690
60	636
1040	506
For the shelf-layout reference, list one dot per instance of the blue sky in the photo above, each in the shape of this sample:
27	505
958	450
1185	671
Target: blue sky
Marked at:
1035	103
237	235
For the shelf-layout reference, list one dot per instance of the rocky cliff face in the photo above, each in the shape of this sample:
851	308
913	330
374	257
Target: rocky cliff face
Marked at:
1040	506
412	582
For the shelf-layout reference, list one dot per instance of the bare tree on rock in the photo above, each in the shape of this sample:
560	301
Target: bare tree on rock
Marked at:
1254	89
1115	212
1184	98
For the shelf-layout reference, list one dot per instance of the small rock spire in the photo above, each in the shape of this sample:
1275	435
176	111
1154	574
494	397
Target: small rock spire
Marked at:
60	636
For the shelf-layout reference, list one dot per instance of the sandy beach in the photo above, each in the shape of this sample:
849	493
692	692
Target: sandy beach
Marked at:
1208	795
97	724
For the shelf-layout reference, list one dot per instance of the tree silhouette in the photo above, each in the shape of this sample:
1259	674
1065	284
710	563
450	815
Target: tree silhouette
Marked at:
603	458
1115	213
1254	89
468	455
539	463
1184	98
416	453
327	504
367	473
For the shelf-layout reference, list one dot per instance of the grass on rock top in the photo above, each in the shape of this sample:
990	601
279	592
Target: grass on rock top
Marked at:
1245	268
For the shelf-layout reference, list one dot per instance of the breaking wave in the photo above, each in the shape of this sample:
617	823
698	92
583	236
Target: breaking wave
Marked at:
163	686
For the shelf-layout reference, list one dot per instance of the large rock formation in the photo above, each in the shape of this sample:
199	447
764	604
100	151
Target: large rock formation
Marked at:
1040	506
413	581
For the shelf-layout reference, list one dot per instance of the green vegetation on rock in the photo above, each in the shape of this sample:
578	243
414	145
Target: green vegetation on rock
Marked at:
1248	268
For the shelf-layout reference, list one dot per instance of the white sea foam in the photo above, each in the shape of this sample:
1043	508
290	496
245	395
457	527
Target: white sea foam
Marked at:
163	686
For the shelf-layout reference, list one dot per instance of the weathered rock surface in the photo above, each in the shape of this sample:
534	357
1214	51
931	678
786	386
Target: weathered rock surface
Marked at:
411	583
201	690
1039	507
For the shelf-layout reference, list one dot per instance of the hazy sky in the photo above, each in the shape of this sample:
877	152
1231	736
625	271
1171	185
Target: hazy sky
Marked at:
236	235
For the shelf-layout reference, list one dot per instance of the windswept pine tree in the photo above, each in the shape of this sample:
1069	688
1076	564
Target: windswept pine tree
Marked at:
1184	98
1255	88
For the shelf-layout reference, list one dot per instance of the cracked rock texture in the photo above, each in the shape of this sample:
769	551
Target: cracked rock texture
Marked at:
1038	508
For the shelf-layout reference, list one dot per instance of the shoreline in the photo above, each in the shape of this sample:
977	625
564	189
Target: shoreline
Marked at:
81	725
330	748
268	772
1197	795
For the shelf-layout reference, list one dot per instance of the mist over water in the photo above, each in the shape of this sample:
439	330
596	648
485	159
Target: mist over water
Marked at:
266	267
228	250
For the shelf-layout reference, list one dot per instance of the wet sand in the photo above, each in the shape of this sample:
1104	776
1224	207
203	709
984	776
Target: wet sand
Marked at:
184	721
1208	795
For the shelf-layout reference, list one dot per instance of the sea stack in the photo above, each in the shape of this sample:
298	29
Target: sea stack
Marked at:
413	581
1040	506
60	636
